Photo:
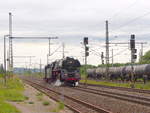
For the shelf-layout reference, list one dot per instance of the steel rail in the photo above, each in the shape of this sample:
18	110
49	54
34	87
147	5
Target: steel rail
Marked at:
120	88
125	97
129	98
93	107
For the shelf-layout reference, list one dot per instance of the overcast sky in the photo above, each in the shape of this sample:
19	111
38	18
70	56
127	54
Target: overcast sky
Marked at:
71	20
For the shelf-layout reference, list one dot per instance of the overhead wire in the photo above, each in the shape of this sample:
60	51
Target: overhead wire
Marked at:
131	21
120	52
117	13
55	50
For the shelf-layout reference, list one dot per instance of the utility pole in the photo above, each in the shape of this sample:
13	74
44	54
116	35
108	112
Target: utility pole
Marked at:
49	54
112	58
10	44
107	50
5	61
50	43
141	53
102	57
8	66
40	67
47	59
63	50
49	47
30	62
141	49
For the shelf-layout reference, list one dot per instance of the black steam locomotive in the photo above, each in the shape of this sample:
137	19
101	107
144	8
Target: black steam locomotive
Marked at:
65	70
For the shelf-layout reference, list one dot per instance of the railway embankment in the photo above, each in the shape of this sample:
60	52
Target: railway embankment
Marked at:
17	97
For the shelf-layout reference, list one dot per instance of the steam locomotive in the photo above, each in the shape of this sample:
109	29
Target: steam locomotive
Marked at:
65	70
123	72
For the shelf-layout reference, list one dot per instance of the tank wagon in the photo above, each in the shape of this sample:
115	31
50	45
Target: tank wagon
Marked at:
91	73
65	70
123	72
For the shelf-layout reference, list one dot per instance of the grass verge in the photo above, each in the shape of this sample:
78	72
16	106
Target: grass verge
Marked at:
12	91
39	96
60	106
109	83
46	103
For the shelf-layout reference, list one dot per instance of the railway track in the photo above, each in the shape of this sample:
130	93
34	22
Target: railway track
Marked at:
78	106
120	88
125	97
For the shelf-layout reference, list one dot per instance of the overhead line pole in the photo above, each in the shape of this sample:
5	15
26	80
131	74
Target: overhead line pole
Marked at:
112	57
107	49
40	67
5	61
141	49
63	47
49	46
10	44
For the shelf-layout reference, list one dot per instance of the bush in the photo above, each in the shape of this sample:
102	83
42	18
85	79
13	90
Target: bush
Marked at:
45	103
31	102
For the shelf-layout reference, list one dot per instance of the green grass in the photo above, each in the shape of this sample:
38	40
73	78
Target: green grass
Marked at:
26	98
31	102
12	91
109	83
7	108
39	96
46	103
60	106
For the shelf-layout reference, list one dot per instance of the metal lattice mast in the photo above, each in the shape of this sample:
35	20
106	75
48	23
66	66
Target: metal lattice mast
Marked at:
10	44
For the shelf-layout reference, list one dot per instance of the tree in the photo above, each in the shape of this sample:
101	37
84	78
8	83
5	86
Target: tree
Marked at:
145	59
82	68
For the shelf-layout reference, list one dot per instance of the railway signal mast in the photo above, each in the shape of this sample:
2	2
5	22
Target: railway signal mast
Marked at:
102	57
85	41
133	50
133	55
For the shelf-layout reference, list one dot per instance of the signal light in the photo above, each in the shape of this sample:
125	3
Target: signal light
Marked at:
132	42
134	56
87	48
85	40
87	53
134	50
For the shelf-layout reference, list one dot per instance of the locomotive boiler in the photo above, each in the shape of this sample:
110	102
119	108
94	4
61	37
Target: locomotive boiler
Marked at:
66	70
